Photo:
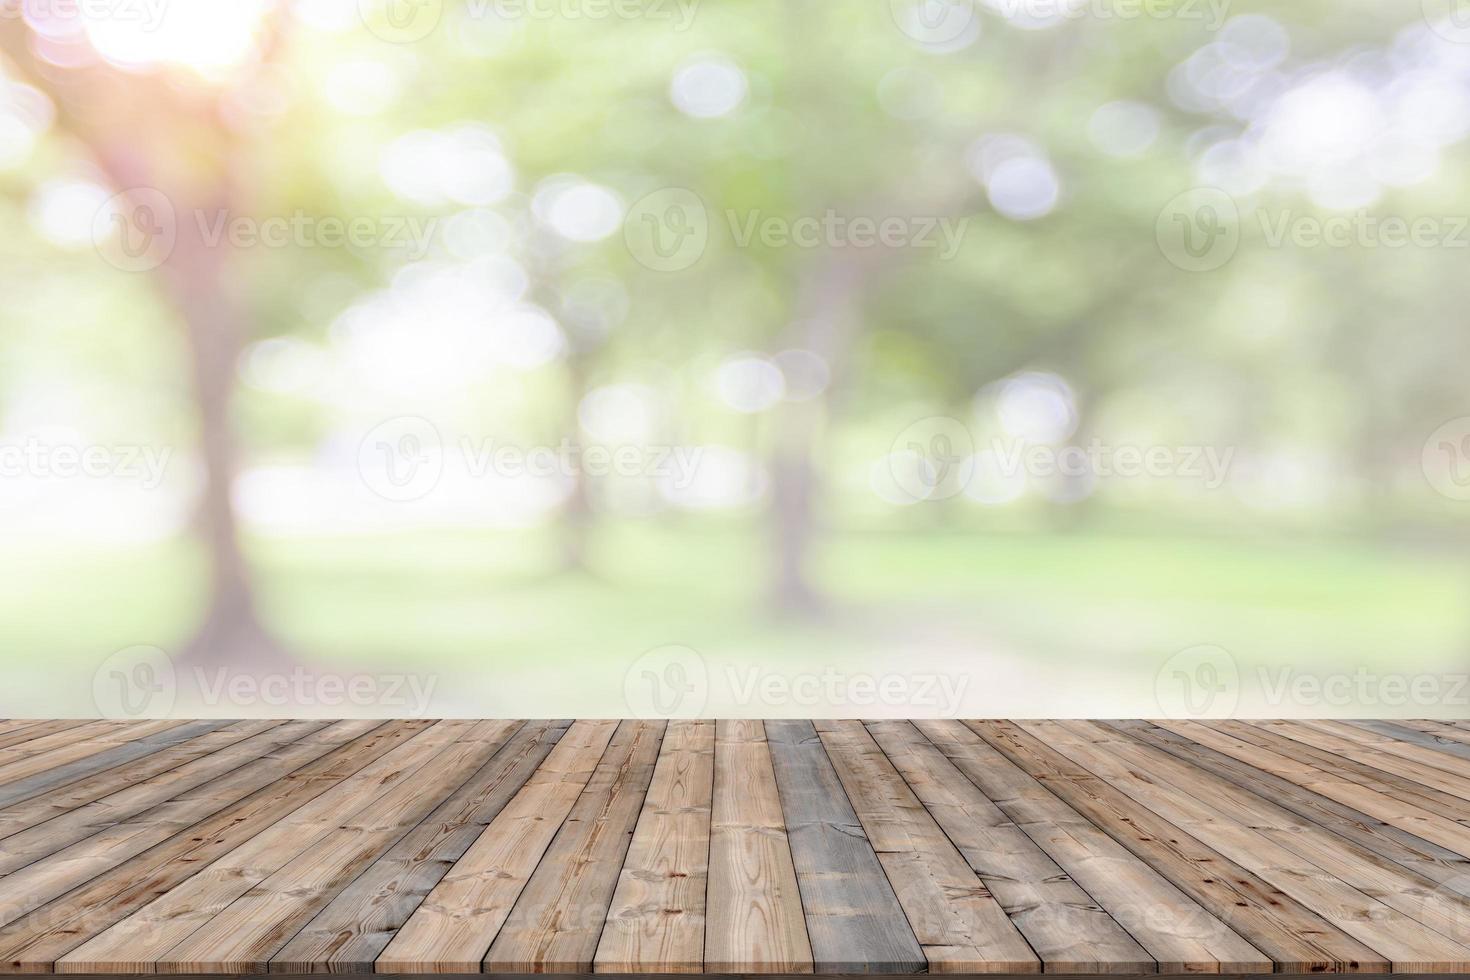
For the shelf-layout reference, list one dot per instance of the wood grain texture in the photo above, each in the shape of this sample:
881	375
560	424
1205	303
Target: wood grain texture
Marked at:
853	918
959	924
656	919
754	921
452	930
1074	848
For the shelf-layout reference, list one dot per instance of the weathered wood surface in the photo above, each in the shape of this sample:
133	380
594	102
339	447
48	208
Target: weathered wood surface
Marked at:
1070	848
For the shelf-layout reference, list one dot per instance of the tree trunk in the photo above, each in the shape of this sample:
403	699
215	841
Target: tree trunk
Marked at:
197	279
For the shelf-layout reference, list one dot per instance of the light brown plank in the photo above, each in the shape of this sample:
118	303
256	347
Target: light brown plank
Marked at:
1257	837
1177	931
454	927
1297	938
135	944
1066	928
348	935
320	760
655	921
754	921
555	924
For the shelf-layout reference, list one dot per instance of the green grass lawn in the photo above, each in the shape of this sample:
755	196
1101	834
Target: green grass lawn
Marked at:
481	599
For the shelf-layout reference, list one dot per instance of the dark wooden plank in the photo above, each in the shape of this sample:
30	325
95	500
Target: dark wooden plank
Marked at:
1176	930
1067	929
558	919
348	935
959	924
852	916
655	922
1297	938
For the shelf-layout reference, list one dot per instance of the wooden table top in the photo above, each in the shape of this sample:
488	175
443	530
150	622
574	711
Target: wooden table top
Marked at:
833	847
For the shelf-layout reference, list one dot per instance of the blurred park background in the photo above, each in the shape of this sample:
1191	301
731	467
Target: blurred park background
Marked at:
745	357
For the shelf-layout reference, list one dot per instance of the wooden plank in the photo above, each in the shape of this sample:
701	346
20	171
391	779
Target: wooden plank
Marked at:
40	882
1438	864
243	936
1443	771
51	735
454	927
959	924
1442	732
555	924
1253	835
21	816
1297	938
1401	802
321	760
655	922
1066	928
60	774
1177	931
34	843
17	777
348	935
1414	735
853	918
754	921
134	944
